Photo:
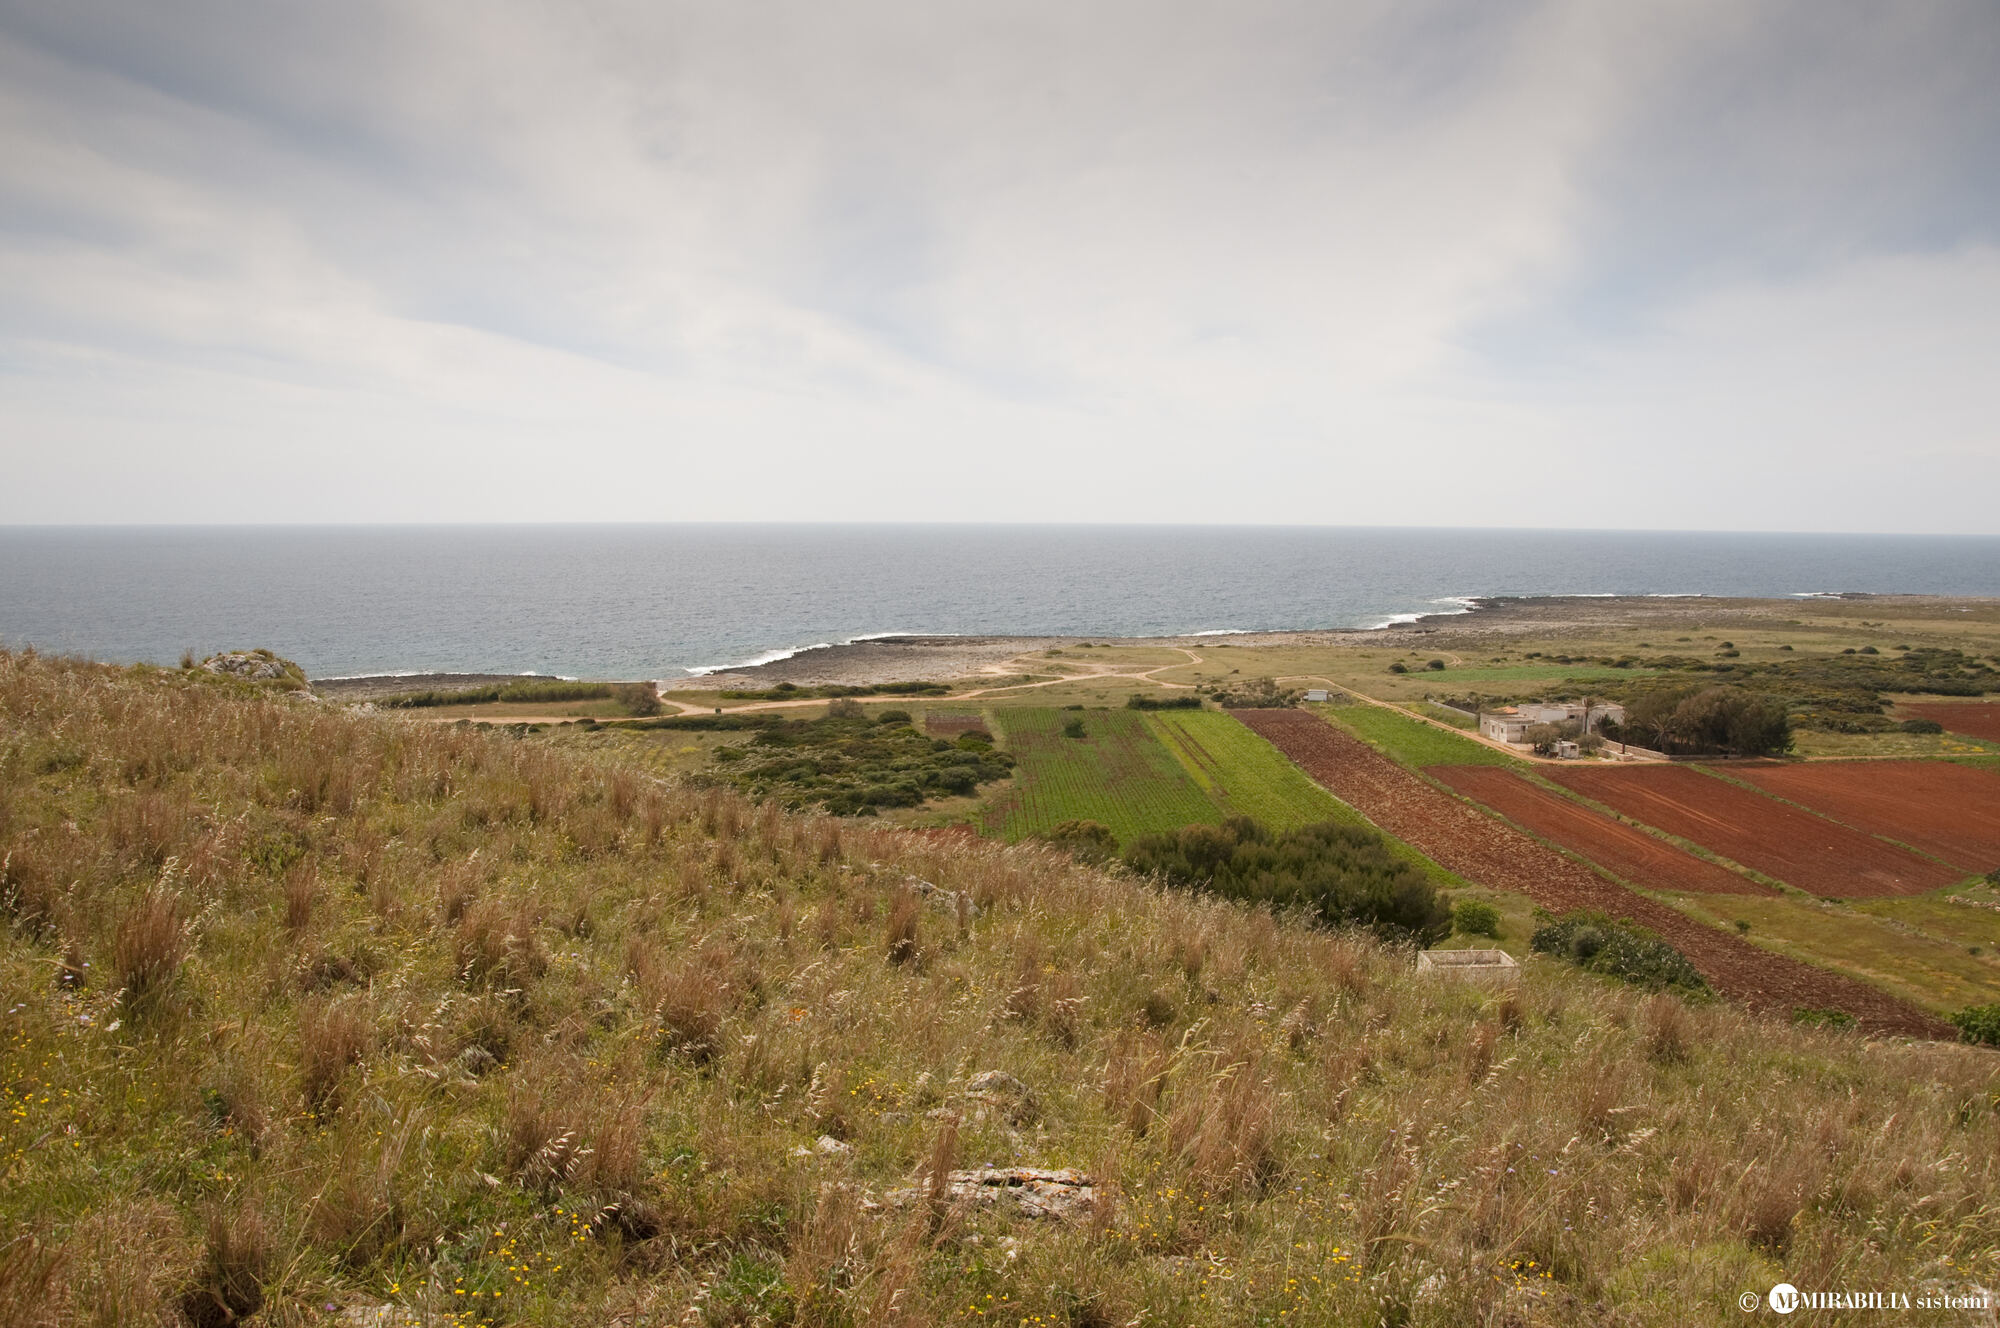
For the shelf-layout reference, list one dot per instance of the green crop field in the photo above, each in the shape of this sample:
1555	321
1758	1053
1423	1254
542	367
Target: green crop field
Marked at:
1243	773
1119	775
1412	741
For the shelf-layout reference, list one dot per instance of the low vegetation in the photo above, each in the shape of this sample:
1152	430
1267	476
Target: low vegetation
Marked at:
544	690
1979	1023
791	691
1148	701
1617	949
1333	873
1473	917
848	762
1415	743
313	1017
1254	694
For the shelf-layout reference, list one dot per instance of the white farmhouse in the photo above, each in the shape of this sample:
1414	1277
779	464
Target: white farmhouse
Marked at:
1510	724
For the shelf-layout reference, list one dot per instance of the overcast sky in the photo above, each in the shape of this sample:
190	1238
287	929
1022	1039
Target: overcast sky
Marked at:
1674	265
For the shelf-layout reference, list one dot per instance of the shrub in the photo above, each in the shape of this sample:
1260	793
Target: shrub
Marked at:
1073	728
1139	701
1399	667
1475	918
1257	694
546	690
1340	873
1922	726
636	698
844	708
1436	666
893	717
1979	1023
1086	841
1602	945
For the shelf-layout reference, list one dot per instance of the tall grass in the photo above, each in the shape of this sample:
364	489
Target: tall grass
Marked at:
474	1025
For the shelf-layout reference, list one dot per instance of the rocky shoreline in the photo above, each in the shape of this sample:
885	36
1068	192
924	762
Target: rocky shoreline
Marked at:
945	658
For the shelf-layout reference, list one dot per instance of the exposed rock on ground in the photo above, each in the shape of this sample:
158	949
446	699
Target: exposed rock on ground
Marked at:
1030	1192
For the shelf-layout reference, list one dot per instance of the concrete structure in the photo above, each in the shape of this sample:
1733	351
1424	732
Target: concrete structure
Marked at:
1318	694
1490	966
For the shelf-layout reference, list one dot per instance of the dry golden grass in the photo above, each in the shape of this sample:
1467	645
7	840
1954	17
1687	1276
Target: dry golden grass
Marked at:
479	1026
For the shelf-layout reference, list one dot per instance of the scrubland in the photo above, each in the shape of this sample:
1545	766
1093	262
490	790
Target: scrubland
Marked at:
309	1012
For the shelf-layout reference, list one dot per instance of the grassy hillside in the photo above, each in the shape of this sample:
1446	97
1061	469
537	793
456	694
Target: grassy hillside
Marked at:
308	1013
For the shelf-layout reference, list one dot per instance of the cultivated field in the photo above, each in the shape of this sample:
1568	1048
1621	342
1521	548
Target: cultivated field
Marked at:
1414	742
1482	849
1948	811
1975	719
1819	856
1119	775
1244	774
1633	855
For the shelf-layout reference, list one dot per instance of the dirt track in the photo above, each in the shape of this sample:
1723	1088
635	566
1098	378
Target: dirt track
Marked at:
1793	845
1480	848
1631	854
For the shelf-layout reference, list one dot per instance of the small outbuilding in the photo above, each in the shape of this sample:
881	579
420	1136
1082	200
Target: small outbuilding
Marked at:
1318	694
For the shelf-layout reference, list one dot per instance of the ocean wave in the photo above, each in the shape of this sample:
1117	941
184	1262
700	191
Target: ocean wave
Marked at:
1223	631
1394	620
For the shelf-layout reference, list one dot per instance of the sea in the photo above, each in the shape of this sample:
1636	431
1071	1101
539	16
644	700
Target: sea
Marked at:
667	601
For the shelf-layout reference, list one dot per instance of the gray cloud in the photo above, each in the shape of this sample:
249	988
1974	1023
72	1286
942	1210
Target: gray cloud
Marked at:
1034	261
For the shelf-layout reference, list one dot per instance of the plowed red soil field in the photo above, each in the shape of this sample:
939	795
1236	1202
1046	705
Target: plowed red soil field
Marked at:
1482	849
1949	811
1825	857
1621	850
1974	719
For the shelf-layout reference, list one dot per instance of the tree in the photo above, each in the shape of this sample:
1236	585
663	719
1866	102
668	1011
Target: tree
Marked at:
1709	719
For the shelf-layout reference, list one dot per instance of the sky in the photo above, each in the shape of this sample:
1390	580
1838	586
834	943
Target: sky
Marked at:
1688	265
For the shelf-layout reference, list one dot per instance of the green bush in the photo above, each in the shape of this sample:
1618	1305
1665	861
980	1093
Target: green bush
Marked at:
893	717
1073	728
1399	667
1618	949
1979	1023
1922	726
528	689
1436	666
851	765
1086	841
1340	873
636	698
1138	701
1475	918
